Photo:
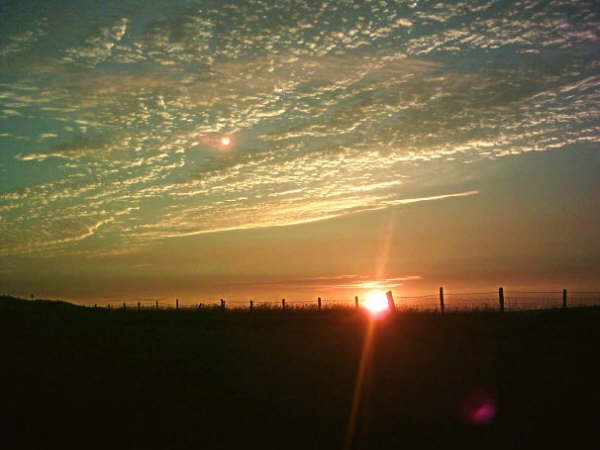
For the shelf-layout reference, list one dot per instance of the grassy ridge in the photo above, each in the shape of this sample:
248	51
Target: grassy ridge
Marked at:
284	379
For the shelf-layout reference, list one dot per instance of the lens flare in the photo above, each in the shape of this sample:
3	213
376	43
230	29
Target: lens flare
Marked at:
225	141
361	376
479	407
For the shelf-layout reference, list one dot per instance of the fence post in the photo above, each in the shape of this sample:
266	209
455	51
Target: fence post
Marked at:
251	305
283	303
390	299
176	303
139	306
564	305
501	298
319	302
442	299
222	303
124	306
108	306
156	304
356	301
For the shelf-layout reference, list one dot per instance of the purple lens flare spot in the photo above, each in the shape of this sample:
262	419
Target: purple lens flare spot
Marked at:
479	407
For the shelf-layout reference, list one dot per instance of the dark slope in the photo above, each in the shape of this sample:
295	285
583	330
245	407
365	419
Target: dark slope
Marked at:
76	377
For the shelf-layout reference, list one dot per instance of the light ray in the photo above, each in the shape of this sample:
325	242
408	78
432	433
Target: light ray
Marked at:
386	245
363	365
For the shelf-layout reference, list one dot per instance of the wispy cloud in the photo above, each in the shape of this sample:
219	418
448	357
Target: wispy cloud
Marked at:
352	283
326	117
405	201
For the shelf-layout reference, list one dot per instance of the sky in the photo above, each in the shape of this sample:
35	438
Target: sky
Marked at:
260	149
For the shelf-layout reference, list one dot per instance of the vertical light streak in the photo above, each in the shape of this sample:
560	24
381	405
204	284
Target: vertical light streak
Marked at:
385	248
363	365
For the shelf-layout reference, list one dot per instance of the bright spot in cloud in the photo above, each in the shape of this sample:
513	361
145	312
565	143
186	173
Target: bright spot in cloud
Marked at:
225	141
376	303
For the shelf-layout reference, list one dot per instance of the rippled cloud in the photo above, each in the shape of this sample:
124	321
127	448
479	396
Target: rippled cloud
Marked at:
145	125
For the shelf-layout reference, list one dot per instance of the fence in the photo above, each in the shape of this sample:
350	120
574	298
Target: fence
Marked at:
498	300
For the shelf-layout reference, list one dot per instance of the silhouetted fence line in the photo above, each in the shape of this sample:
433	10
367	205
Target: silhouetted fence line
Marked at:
443	301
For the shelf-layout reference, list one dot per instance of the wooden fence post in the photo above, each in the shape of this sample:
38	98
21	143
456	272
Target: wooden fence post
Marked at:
501	298
564	305
176	303
156	304
390	299
442	299
124	306
222	303
356	301
319	302
283	303
139	306
251	305
108	306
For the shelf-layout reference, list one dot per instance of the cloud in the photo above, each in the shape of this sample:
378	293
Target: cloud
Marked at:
354	283
378	284
97	48
24	39
238	215
327	117
406	201
52	235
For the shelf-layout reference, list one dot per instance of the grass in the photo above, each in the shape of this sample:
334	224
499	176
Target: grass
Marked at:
272	379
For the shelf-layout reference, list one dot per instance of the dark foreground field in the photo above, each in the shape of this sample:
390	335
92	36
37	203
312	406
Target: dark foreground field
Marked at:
77	377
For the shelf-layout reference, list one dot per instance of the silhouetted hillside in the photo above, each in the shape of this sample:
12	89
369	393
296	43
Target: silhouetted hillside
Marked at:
16	303
285	379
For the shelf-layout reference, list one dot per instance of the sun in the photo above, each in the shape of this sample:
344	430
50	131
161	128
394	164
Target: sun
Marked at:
376	303
225	141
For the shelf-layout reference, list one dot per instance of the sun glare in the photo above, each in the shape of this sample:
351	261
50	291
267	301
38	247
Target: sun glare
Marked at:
376	303
225	141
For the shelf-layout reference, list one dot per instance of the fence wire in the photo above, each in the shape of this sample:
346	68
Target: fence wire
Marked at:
517	300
